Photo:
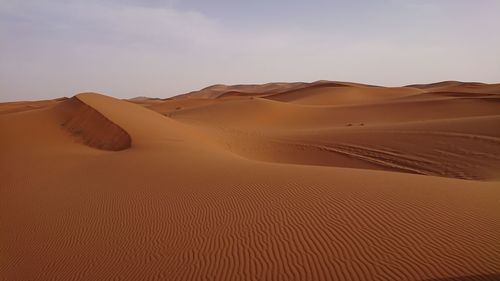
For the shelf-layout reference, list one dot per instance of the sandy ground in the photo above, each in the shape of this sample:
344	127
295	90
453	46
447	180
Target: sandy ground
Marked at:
282	181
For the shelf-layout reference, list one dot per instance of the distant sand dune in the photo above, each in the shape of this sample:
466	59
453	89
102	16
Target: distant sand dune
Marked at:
357	126
337	95
12	107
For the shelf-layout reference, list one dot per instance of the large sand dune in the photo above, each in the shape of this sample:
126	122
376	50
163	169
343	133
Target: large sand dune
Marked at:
320	181
414	129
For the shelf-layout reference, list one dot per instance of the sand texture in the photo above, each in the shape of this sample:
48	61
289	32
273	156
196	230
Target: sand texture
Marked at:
281	181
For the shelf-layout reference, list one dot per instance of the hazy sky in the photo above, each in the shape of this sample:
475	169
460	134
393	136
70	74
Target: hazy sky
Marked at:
53	48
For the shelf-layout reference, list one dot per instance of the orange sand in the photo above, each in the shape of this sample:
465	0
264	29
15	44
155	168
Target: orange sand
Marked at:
321	181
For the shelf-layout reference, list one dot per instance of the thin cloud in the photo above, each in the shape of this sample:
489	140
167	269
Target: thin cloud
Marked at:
58	48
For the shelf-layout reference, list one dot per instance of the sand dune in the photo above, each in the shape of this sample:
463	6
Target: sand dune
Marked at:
228	91
358	126
321	181
458	86
340	95
11	107
92	127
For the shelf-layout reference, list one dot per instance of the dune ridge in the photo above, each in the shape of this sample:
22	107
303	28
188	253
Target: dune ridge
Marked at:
91	126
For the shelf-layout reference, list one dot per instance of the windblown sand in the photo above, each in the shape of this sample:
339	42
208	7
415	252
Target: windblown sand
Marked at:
282	181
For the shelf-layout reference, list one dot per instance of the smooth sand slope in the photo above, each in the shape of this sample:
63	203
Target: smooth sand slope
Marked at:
254	187
445	129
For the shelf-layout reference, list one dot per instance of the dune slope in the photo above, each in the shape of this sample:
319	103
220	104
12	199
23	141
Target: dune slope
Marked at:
93	128
347	125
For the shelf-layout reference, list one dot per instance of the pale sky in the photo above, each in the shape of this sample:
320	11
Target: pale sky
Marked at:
54	48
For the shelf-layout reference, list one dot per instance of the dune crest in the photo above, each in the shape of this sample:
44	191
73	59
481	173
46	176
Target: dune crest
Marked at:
92	127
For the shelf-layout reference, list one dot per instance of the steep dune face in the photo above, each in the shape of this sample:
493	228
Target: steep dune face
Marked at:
91	126
182	204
